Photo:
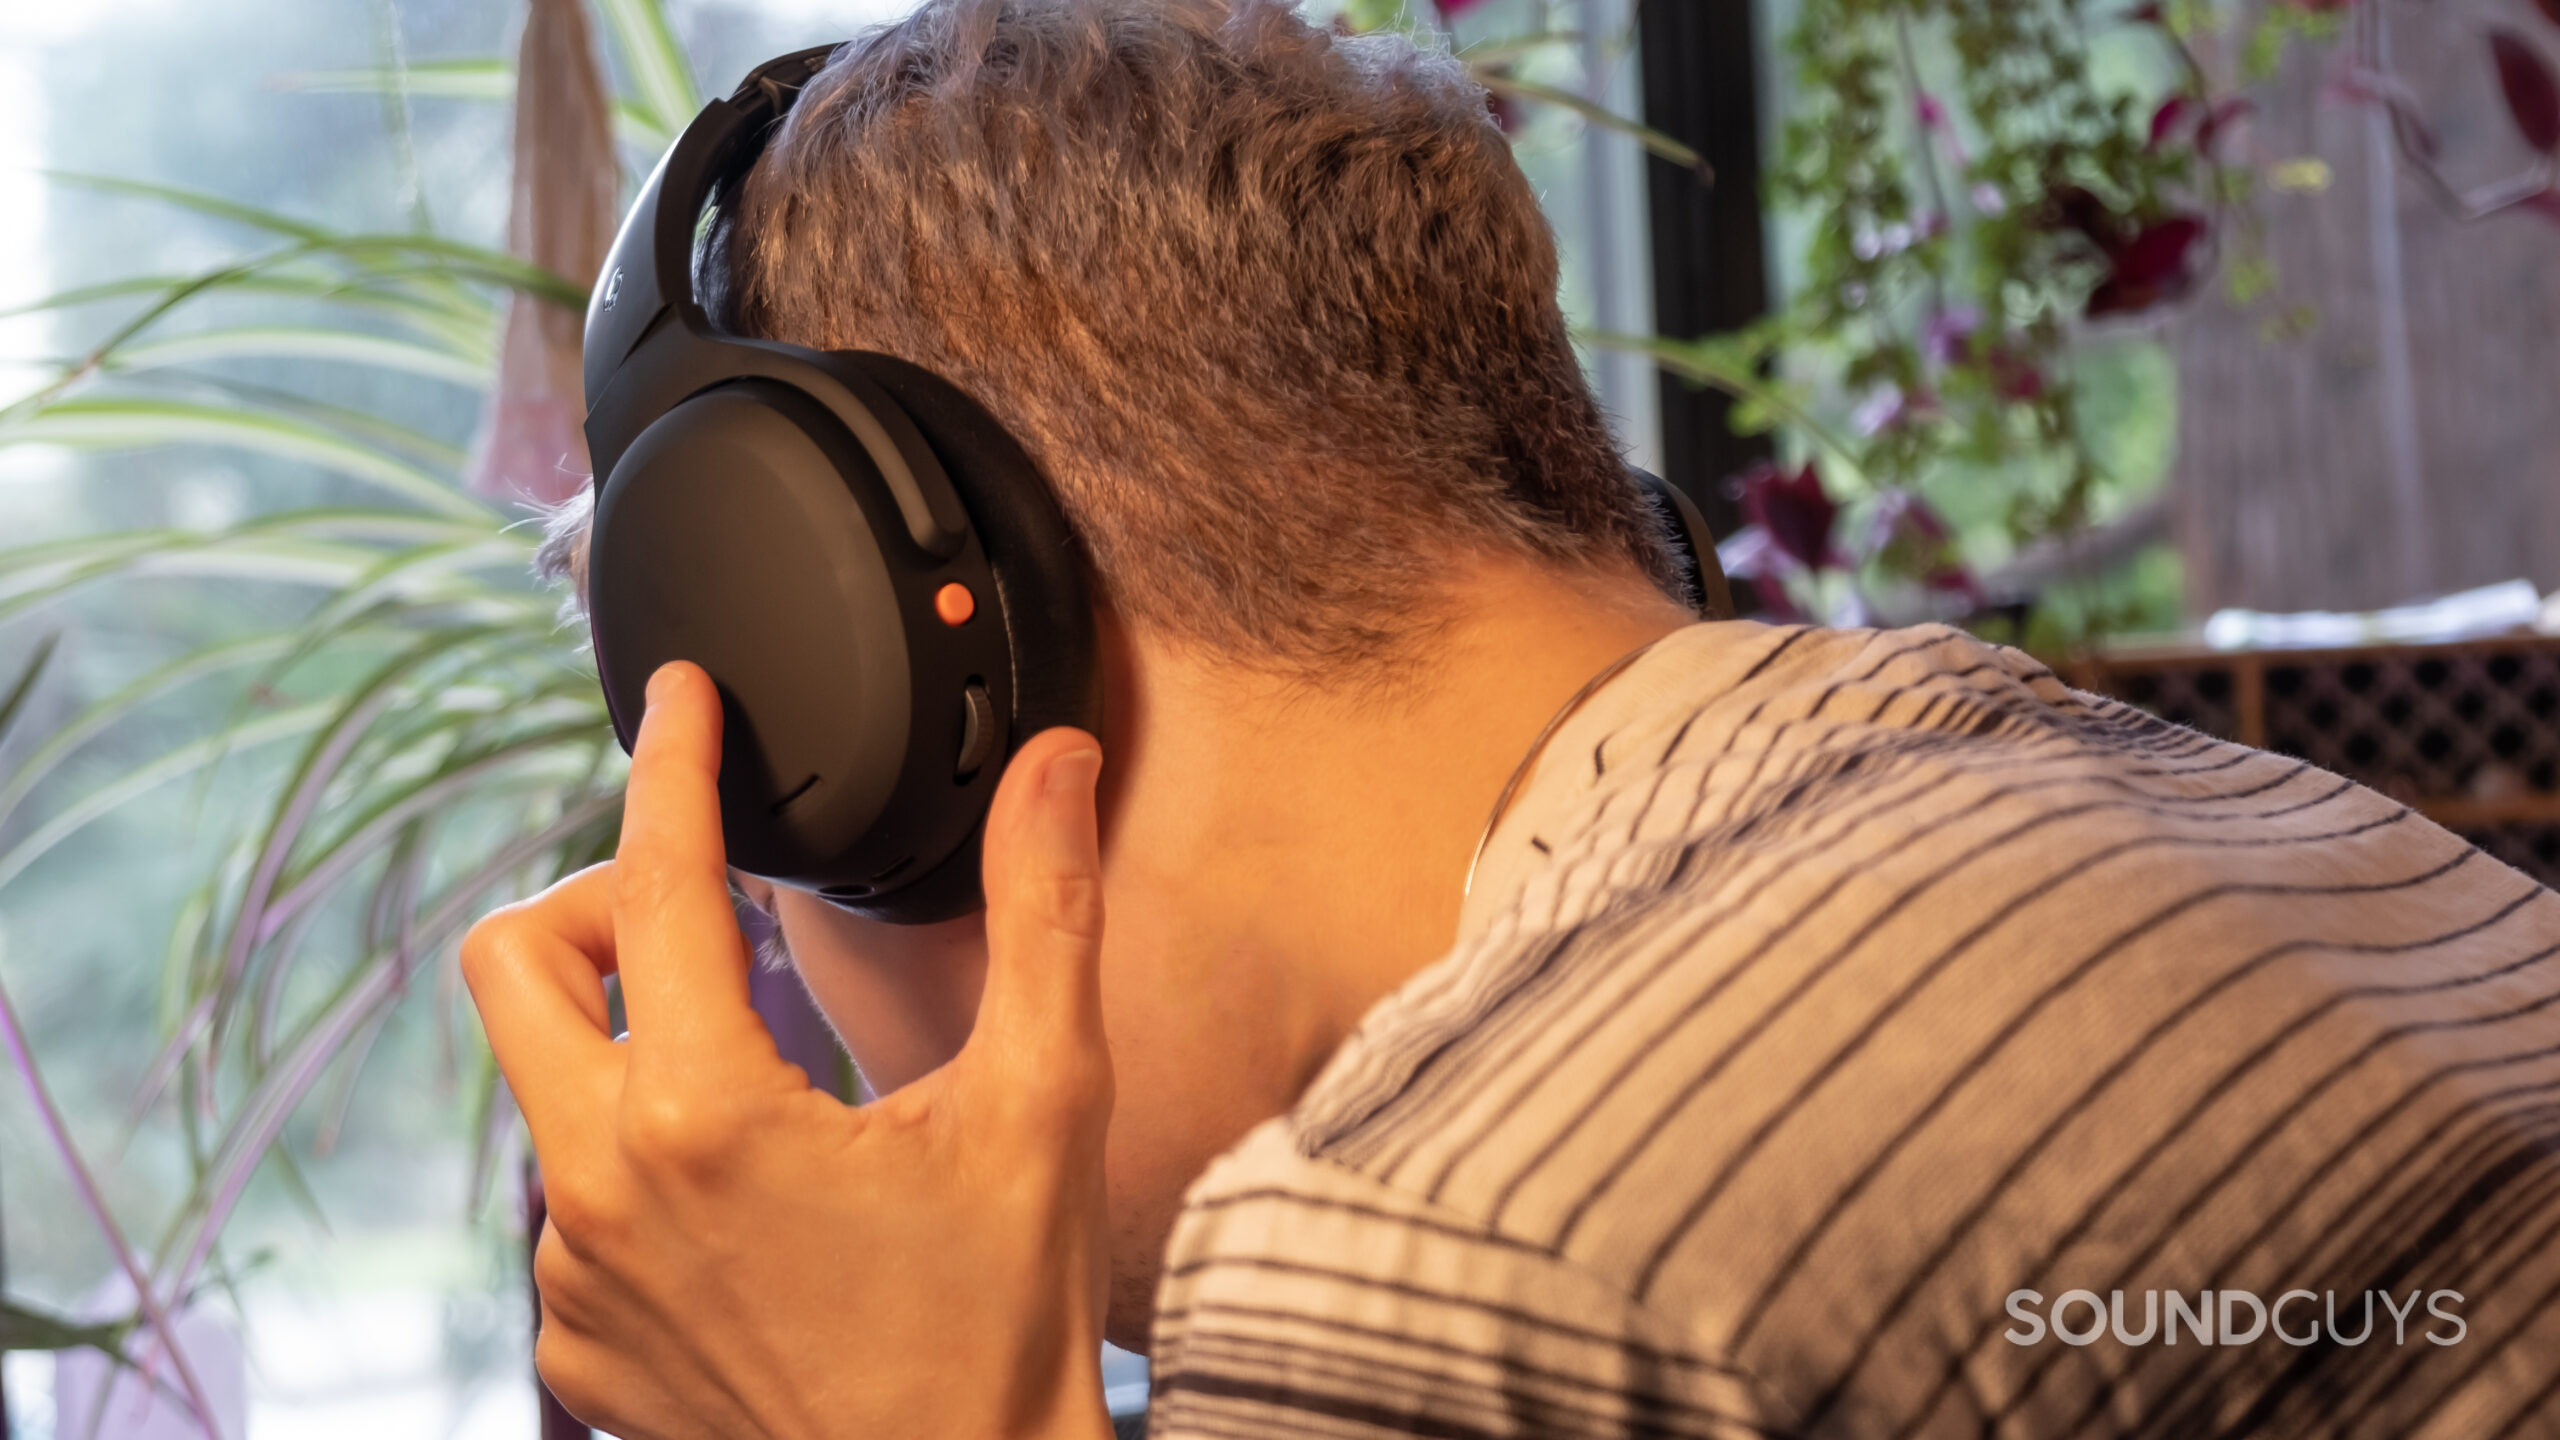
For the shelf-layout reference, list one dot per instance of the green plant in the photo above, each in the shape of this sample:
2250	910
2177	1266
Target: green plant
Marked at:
441	739
1973	202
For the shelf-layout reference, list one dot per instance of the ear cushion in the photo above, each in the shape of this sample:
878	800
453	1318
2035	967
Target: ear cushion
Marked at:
1045	601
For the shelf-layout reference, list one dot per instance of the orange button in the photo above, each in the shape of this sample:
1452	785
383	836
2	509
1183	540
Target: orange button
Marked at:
954	603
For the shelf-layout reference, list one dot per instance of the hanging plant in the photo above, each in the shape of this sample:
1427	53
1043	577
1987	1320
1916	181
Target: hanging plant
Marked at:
1976	204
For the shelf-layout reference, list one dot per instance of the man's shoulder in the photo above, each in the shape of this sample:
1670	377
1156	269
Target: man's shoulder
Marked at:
1884	986
1298	1290
1774	827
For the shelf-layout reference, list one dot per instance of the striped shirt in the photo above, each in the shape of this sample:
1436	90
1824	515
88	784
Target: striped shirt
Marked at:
1827	994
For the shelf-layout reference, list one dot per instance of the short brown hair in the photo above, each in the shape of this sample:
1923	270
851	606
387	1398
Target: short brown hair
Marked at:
1272	308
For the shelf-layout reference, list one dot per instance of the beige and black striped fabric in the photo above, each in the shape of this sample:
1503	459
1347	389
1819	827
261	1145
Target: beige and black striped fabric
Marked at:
1823	991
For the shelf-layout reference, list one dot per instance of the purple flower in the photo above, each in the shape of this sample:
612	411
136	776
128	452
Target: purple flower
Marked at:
1889	405
1948	335
1748	554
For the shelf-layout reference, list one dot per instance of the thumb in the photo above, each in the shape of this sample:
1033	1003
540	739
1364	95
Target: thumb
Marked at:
1039	1019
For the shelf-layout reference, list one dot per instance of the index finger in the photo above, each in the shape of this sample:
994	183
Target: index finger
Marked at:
684	963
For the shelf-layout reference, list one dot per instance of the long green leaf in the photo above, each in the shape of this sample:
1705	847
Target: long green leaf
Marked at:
458	259
310	342
481	261
372	984
132	424
351	714
327	286
225	392
202	202
486	81
354	526
667	96
1709	363
423	79
26	683
150	776
469	266
1495	79
522	758
95	718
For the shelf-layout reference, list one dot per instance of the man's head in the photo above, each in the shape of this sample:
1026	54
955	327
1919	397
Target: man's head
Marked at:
1271	308
1274	313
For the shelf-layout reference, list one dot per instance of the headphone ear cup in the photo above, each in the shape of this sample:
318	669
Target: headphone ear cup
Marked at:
1043	602
1039	570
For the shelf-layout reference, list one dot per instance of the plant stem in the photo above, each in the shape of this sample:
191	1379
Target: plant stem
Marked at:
1740	384
153	1312
1927	147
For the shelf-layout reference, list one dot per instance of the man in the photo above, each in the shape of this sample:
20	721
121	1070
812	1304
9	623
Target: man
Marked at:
1831	1032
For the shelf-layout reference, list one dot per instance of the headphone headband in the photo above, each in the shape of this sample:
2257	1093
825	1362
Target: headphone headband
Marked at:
648	275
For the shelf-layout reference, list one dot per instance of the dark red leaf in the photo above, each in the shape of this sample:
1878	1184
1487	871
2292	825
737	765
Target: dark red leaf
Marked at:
2160	250
2156	265
2173	112
2015	378
2533	93
1449	8
2550	10
2545	203
1793	510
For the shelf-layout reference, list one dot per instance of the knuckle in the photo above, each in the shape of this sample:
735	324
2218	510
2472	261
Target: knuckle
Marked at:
668	1131
581	1218
554	1268
491	945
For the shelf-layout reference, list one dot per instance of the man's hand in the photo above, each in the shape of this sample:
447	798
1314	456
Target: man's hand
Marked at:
733	1254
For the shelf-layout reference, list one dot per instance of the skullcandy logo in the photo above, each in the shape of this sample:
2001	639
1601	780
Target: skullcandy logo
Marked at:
613	287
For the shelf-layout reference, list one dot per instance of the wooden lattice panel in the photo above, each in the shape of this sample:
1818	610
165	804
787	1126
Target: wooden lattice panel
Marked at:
2468	733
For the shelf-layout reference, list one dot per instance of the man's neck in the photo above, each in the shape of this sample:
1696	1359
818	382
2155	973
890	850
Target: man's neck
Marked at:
1334	830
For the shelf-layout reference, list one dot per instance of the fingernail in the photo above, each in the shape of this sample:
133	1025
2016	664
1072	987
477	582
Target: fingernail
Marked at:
1074	772
657	685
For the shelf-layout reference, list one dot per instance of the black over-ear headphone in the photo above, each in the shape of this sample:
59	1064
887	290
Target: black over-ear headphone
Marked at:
861	557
